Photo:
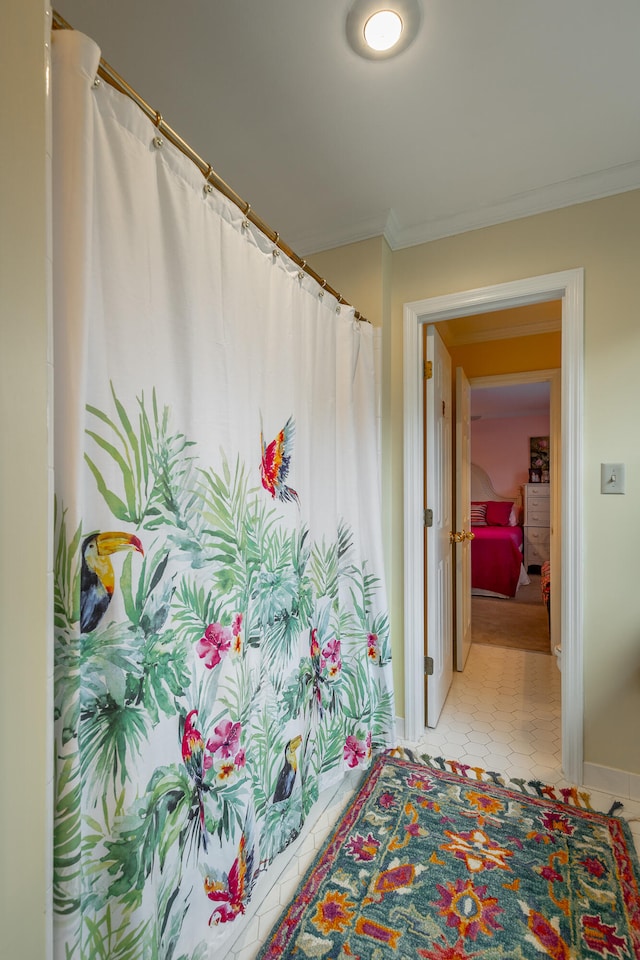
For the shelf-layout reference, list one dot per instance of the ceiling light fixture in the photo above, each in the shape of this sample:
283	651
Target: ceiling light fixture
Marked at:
382	31
378	29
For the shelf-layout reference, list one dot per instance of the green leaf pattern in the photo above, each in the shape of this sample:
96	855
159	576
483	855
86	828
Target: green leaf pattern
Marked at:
235	646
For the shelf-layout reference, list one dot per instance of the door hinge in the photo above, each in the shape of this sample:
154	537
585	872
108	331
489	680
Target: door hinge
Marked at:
428	666
428	517
428	369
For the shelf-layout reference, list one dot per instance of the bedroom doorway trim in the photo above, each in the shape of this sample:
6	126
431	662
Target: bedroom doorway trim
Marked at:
569	287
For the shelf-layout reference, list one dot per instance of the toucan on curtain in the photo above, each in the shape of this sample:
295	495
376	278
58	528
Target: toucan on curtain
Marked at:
221	636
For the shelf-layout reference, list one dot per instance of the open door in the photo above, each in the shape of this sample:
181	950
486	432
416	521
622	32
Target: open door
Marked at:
463	535
438	526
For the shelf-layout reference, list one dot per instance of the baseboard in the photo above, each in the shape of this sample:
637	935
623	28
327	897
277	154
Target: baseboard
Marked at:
620	783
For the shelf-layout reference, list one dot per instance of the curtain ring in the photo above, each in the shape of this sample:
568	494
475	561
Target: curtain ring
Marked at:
301	271
275	252
245	222
158	119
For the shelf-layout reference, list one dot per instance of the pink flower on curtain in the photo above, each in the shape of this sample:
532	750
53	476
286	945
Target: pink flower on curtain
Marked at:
215	643
332	651
240	759
354	751
372	647
331	657
225	741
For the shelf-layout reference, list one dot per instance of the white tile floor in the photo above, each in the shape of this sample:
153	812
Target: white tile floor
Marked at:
502	714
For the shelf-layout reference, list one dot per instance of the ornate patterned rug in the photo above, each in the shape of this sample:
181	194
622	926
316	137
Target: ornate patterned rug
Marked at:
454	864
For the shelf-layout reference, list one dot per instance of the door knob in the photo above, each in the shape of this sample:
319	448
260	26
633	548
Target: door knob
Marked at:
461	537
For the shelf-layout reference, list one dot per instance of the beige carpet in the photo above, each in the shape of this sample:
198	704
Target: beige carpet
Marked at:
519	622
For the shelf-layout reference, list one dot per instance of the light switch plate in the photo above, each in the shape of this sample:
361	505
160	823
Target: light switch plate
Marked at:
612	478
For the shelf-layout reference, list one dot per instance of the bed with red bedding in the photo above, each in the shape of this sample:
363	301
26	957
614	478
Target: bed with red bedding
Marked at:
496	550
496	559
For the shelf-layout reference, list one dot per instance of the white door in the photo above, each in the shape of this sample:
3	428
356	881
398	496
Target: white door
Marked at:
439	568
463	518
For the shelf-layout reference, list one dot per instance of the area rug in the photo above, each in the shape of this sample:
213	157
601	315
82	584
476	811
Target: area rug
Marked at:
519	621
440	861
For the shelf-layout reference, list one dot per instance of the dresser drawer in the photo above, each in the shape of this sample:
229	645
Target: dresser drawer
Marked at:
535	502
536	554
538	536
538	517
536	546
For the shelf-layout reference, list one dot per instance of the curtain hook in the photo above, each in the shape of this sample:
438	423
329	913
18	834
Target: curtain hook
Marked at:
208	187
158	141
245	222
275	252
302	271
323	285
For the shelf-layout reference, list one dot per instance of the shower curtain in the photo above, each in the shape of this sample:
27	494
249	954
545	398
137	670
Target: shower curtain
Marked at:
222	642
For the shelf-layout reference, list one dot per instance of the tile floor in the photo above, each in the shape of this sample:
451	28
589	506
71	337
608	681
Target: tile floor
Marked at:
502	714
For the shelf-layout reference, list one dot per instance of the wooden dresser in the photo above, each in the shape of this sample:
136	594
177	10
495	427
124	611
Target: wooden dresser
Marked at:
536	525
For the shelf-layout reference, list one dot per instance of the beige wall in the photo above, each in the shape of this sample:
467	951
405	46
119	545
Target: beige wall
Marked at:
25	621
603	237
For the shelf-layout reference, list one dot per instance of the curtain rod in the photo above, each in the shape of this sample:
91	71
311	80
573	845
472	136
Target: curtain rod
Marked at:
107	73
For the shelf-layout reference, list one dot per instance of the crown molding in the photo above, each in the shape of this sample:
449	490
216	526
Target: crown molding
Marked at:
308	244
566	193
504	333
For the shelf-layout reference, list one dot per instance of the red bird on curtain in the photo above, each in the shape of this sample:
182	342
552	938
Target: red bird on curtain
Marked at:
276	459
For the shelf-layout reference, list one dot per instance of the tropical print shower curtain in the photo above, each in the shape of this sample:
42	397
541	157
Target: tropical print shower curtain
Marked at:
221	636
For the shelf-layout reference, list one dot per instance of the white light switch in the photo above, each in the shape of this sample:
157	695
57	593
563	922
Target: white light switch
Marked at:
612	478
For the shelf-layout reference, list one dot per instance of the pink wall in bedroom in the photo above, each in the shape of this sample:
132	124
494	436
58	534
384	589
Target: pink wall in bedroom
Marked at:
501	448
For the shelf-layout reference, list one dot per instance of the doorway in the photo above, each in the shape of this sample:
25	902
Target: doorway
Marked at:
567	286
526	391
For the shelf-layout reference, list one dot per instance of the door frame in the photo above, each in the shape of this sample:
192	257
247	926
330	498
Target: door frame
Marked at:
569	287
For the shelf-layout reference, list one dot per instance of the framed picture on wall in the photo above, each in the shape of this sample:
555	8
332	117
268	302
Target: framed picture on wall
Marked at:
539	458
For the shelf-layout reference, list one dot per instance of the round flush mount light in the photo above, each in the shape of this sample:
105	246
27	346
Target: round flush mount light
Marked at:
378	29
383	30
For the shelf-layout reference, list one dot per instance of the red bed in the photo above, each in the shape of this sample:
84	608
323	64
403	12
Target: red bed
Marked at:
496	559
496	551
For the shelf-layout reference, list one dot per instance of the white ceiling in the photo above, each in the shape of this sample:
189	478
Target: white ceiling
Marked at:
499	108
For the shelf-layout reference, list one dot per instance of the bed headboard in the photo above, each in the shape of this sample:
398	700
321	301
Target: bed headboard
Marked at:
482	488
